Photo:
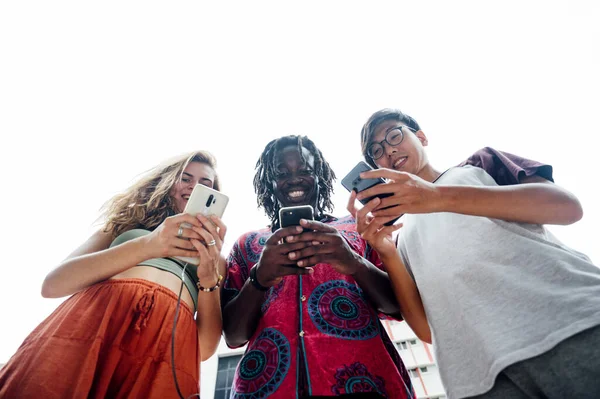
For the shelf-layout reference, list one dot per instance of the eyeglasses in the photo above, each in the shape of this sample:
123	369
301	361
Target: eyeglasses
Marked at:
393	138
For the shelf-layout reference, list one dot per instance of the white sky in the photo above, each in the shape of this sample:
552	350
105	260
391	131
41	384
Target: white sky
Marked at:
92	94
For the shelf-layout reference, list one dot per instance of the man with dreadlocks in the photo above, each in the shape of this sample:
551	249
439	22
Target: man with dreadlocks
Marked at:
307	302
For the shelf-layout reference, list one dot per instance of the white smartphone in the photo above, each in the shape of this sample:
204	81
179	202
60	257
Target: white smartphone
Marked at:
206	201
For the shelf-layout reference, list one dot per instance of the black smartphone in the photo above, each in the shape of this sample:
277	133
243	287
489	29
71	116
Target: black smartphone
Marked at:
291	215
353	181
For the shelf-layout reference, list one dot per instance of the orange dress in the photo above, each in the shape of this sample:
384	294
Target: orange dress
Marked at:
111	340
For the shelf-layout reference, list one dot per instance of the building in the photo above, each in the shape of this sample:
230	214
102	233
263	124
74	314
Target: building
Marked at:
217	372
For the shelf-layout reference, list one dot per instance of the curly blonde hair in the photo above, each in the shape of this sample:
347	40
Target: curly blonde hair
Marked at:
147	203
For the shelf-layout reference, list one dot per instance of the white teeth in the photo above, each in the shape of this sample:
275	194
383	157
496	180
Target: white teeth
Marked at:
399	161
296	194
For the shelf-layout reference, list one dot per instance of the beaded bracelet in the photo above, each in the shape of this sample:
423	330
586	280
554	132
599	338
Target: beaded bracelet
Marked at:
211	289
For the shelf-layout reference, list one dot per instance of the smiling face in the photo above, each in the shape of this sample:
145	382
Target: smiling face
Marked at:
194	173
408	156
295	180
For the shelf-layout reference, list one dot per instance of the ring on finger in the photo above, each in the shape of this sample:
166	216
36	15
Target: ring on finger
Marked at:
180	232
211	243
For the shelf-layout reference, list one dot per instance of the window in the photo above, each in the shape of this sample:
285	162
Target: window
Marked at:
401	345
225	373
413	341
414	373
423	369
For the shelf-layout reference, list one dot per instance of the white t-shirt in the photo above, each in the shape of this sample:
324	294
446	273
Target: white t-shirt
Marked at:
495	292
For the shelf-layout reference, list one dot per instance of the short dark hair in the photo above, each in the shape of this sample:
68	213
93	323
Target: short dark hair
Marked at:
386	114
266	172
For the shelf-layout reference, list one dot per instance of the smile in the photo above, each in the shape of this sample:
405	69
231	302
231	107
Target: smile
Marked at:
399	162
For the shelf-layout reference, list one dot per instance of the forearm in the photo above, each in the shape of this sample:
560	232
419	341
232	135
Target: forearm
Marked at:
541	203
209	322
377	287
408	297
241	315
79	272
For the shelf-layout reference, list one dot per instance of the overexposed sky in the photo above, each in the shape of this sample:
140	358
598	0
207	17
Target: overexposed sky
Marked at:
93	94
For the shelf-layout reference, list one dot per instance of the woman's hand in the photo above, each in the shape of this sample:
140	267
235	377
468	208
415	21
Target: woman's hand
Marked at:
165	241
208	244
372	228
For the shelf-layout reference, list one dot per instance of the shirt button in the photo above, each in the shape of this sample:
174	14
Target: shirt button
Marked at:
303	298
301	333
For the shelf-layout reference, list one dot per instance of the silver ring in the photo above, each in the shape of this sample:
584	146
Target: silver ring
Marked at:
180	232
211	243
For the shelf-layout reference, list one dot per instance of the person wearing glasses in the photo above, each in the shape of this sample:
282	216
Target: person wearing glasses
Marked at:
512	312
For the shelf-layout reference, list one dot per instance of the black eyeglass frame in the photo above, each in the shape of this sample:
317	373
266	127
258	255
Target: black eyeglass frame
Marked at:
385	140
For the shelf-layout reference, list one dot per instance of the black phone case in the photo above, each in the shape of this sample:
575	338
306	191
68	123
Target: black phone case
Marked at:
353	181
291	216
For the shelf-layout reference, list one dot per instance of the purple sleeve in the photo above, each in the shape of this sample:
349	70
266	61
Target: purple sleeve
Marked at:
507	169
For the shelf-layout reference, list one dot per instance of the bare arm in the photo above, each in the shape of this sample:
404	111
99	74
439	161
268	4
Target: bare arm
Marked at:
242	314
407	294
208	319
379	237
91	263
94	261
535	200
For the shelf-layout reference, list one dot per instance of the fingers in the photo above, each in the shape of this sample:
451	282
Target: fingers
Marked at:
187	232
183	243
317	226
391	212
210	227
293	270
182	218
388	230
301	255
282	233
221	228
351	206
371	205
384	188
286	248
183	252
208	240
385	174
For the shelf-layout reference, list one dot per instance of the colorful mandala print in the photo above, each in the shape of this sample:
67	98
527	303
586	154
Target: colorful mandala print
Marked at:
254	245
351	235
263	367
272	295
355	379
337	308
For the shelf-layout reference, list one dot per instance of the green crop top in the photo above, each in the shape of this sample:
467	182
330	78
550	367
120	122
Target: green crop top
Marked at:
171	265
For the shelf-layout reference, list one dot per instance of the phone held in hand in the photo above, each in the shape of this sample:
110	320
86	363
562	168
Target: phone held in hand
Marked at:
291	215
353	182
206	201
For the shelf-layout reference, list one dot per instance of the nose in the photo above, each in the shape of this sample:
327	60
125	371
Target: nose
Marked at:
295	179
389	149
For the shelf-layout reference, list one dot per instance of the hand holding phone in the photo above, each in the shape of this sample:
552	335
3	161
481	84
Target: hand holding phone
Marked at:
290	216
353	182
206	201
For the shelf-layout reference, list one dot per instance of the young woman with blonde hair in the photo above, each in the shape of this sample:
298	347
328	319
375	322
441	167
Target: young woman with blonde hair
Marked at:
114	336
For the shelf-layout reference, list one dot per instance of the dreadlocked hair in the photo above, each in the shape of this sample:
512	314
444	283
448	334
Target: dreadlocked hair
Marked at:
266	174
147	203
